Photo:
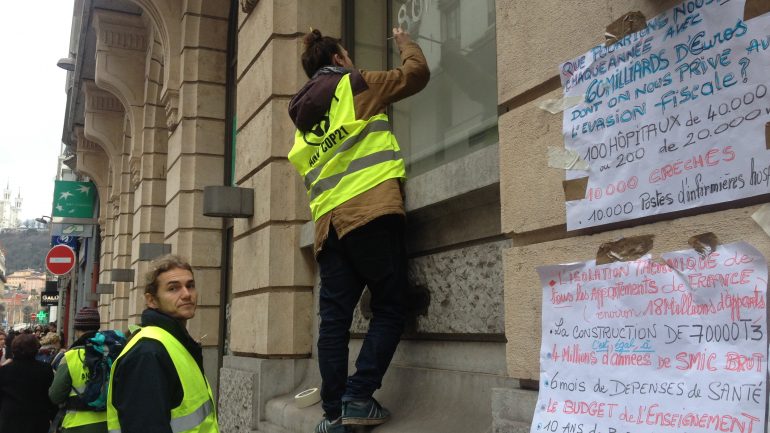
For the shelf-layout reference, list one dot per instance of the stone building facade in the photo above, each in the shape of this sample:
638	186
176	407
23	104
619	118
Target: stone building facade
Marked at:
27	280
169	97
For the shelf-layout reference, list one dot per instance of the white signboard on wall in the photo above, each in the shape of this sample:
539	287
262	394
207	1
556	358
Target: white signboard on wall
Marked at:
672	345
671	117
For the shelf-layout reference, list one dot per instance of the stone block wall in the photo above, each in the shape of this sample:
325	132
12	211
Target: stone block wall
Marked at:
195	115
273	279
537	226
154	101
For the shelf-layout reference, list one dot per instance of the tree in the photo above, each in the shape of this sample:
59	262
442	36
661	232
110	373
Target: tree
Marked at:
25	249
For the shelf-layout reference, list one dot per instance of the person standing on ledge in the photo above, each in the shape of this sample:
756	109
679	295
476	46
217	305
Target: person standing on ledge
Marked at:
353	170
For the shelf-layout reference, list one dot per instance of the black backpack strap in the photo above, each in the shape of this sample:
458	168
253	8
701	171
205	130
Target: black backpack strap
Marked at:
75	403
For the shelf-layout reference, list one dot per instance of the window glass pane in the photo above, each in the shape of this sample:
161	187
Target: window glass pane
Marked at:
456	114
371	29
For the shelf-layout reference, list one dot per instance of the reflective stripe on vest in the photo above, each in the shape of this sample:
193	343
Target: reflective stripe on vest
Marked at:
188	422
377	125
342	156
78	375
196	412
330	182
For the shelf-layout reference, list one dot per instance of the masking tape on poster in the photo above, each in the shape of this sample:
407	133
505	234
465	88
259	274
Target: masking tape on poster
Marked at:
307	397
555	106
755	8
568	159
762	217
704	243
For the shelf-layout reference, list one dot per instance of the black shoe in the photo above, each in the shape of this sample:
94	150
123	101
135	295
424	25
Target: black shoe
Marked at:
326	426
363	412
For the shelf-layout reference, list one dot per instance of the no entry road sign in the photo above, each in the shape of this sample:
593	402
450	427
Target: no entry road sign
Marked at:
60	260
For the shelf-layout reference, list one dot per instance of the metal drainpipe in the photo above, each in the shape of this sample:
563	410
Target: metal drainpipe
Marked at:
227	223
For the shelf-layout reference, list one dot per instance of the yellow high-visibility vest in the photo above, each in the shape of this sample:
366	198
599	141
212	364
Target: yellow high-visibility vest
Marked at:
74	359
196	412
342	157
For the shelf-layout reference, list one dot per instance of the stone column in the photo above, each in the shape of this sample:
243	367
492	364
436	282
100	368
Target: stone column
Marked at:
272	305
121	67
104	122
123	220
195	116
148	177
105	267
94	163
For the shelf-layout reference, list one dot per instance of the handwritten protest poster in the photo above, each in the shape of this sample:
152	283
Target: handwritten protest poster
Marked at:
672	345
672	117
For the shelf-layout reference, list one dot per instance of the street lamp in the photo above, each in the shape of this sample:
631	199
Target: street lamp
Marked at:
45	219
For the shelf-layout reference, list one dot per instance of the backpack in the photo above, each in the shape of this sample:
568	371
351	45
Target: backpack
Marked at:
101	351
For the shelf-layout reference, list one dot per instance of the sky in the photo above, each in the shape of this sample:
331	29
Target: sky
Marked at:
36	36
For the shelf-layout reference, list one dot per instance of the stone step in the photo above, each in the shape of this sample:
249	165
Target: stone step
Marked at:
513	405
512	427
283	412
422	401
266	427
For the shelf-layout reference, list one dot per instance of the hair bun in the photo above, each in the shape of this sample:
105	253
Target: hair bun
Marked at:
312	37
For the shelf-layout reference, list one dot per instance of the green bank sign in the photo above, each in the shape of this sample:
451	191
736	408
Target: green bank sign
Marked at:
73	199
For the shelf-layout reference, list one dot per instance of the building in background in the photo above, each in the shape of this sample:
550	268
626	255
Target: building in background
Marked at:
10	208
17	307
167	98
27	280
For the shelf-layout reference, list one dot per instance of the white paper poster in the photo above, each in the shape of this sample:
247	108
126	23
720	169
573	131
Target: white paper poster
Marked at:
672	117
672	345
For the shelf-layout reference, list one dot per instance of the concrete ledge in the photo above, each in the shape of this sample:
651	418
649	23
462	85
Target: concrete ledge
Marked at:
105	289
512	409
228	202
307	235
122	275
247	383
471	179
151	251
421	400
266	427
472	172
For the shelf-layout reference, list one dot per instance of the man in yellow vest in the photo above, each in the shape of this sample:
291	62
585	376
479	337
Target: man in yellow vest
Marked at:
157	383
352	168
70	379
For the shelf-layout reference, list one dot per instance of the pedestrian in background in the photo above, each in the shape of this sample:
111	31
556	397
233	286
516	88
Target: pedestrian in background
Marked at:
71	375
9	347
50	345
3	350
24	404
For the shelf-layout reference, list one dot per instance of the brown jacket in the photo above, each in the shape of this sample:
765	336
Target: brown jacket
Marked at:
373	92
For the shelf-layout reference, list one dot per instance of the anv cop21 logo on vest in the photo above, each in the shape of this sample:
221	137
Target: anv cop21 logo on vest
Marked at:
319	136
318	131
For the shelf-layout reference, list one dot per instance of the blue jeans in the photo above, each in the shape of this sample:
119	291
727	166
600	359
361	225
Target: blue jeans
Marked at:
373	255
